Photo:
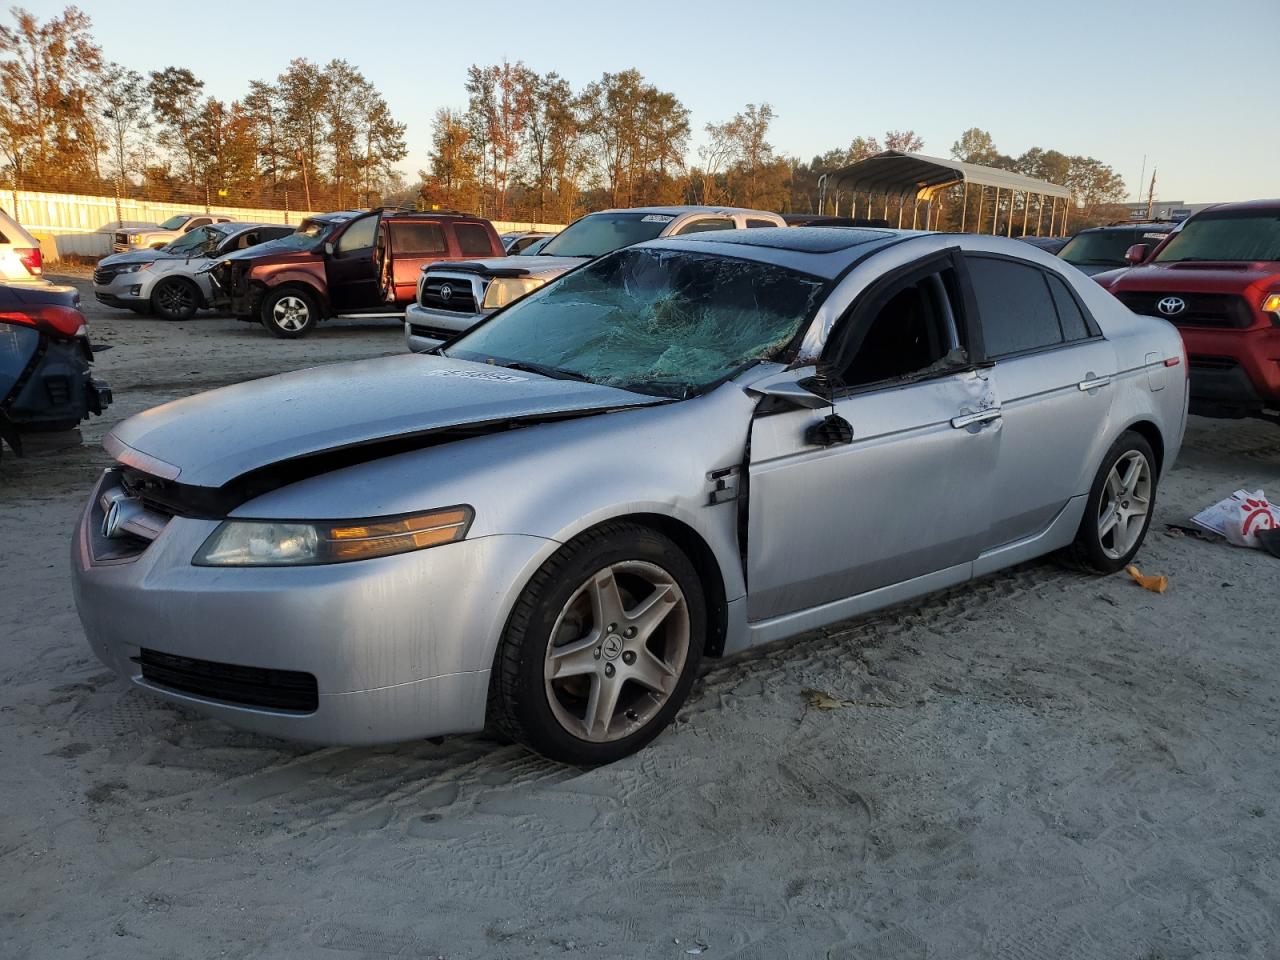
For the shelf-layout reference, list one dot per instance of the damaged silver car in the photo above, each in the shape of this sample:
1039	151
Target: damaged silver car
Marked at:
681	450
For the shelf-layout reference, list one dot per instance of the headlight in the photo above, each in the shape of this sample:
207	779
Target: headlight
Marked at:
1272	303
502	290
288	543
135	267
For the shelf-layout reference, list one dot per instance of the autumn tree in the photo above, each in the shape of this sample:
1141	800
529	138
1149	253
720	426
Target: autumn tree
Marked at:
48	81
177	101
500	98
453	160
126	113
554	148
904	141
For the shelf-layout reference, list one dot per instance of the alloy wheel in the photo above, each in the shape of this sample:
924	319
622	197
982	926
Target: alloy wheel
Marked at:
1124	505
290	313
175	298
617	651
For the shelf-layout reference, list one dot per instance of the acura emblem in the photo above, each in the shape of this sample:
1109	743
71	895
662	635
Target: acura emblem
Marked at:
1171	306
446	292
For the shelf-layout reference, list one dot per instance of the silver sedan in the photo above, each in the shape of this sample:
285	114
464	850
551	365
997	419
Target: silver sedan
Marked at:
679	451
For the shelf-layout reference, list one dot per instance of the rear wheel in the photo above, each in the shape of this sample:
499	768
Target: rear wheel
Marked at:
175	299
601	648
290	313
1119	509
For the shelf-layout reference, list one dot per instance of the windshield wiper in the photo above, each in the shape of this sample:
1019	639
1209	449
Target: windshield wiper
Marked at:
555	373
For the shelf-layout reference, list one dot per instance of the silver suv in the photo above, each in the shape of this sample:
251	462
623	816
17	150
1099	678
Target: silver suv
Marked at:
169	282
453	297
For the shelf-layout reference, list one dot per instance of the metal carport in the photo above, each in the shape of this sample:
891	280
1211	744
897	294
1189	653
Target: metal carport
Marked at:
896	174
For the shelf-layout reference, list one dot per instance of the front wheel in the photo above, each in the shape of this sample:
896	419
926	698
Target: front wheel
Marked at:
175	299
601	648
1118	511
290	313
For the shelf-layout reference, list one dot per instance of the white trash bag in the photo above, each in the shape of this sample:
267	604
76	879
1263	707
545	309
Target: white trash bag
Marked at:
1240	517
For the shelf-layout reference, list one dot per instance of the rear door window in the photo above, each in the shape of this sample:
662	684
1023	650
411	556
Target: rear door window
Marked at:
1070	316
412	237
753	222
1015	307
473	240
706	224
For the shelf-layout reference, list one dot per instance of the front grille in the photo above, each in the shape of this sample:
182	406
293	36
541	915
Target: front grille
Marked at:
248	686
1201	362
104	275
432	333
460	299
1202	309
122	238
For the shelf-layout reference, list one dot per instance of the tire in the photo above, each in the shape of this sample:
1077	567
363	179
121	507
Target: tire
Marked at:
1103	548
647	665
175	299
290	312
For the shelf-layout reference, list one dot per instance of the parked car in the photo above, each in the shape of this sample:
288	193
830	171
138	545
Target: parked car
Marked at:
535	248
1216	277
142	238
1099	249
45	359
362	263
515	243
20	257
168	282
1047	244
683	449
454	297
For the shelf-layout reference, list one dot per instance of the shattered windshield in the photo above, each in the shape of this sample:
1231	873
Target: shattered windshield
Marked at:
661	322
600	233
197	241
309	234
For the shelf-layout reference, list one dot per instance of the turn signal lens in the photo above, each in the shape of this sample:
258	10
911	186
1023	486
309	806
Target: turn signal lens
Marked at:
276	543
1272	303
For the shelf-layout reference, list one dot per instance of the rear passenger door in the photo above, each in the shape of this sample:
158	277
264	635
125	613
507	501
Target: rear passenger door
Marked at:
411	245
1052	371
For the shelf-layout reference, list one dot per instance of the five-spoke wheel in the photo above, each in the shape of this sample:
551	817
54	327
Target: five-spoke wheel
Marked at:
602	646
1119	506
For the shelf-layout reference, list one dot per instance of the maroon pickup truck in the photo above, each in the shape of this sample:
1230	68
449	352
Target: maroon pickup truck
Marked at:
355	263
1217	279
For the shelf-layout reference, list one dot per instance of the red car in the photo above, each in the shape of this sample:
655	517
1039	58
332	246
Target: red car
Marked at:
1217	279
357	263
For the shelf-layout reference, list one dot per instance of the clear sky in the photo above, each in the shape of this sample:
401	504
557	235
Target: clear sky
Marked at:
1190	83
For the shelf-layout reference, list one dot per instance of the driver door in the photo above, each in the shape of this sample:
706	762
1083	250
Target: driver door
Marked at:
350	271
907	496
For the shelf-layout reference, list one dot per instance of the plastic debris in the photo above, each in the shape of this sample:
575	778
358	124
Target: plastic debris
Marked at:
822	701
1240	518
1153	583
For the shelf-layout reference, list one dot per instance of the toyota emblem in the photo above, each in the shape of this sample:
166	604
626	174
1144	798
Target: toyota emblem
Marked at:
1171	306
446	292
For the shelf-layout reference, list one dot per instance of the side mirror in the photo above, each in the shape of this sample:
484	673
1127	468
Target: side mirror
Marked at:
1136	254
328	249
792	393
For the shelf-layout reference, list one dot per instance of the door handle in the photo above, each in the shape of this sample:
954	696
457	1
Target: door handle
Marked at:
982	416
1093	383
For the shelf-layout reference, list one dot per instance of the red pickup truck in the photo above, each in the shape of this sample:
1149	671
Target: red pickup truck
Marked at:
357	263
1217	279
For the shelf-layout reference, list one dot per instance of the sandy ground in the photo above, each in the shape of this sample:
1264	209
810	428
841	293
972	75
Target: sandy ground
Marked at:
1037	766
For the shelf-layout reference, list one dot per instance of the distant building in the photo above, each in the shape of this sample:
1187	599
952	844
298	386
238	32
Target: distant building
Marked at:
1165	210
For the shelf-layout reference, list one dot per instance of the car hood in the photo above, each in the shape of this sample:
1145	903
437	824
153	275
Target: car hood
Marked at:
134	231
212	438
281	246
1198	276
535	266
1093	269
138	256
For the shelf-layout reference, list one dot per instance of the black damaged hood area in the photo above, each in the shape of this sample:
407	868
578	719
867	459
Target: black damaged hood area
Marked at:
282	428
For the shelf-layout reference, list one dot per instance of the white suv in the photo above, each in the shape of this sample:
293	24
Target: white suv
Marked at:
20	259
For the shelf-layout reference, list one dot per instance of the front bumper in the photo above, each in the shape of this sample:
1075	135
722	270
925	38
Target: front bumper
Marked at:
400	647
125	289
425	328
1233	372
